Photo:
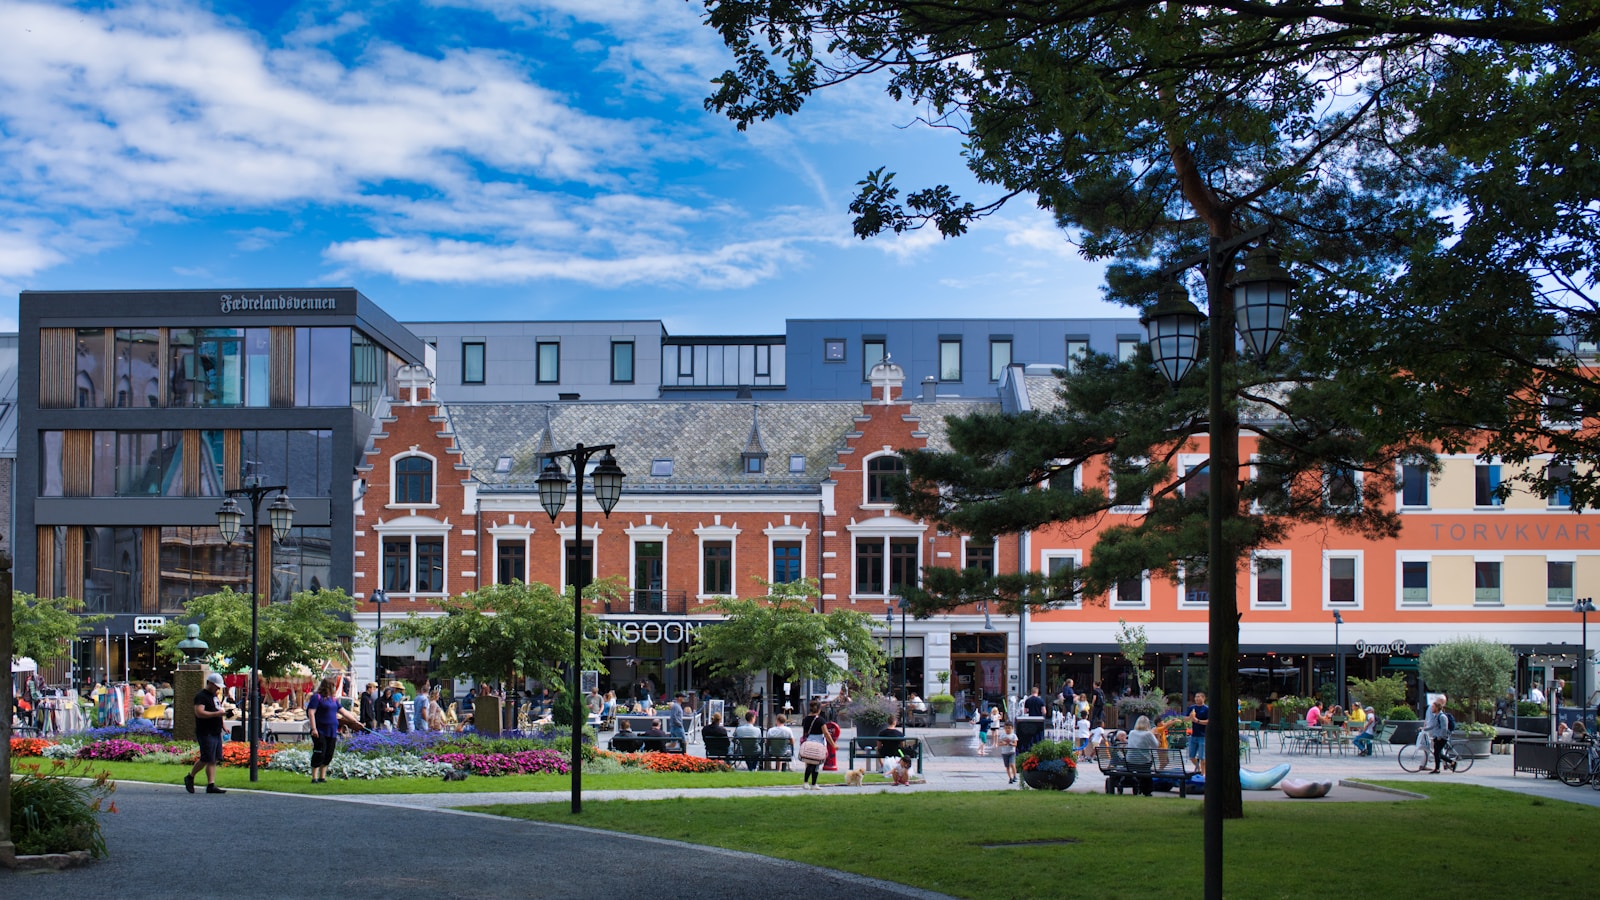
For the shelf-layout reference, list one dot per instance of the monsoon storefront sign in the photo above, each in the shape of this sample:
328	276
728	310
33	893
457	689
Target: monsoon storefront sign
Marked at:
649	632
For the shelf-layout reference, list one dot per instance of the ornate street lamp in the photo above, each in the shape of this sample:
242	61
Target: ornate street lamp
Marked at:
1583	607
1338	660
229	517
1259	301
607	479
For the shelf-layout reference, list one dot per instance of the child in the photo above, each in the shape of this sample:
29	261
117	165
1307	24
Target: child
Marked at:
1097	736
1081	730
1007	742
901	773
983	734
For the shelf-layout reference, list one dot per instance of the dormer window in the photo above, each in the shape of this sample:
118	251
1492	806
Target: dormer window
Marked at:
502	466
754	463
661	468
413	480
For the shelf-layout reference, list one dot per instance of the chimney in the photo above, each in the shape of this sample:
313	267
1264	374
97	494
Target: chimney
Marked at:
929	385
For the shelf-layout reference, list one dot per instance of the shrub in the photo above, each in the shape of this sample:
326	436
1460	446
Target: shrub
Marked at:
1531	709
29	746
1472	671
346	766
528	762
1379	693
63	750
57	811
873	711
1047	756
1401	714
1291	708
115	749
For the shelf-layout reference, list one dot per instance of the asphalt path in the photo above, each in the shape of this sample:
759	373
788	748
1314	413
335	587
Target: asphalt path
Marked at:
167	843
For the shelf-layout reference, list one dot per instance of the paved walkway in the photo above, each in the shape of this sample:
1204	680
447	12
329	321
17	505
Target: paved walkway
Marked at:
249	844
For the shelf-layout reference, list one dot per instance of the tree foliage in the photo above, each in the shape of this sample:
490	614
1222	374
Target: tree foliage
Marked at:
783	634
307	631
1382	693
1422	166
44	627
501	630
1472	672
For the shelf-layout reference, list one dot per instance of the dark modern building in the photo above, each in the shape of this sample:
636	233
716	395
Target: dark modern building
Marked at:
140	409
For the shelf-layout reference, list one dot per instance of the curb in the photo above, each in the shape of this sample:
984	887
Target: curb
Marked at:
1363	786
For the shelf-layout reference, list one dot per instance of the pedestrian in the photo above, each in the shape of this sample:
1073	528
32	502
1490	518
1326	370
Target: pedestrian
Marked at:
208	733
435	709
1007	742
397	700
1199	716
369	706
324	712
983	734
419	709
1436	725
675	716
813	729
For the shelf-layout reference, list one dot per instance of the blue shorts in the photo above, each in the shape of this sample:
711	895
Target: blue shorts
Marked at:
210	747
1197	746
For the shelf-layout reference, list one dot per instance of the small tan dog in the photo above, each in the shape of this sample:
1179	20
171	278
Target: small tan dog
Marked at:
853	777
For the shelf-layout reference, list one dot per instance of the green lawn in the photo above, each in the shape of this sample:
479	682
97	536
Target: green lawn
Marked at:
285	782
1462	841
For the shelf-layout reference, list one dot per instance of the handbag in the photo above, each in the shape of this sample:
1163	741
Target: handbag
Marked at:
813	753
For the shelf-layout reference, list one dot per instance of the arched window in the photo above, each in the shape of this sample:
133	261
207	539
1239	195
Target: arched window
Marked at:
413	480
883	473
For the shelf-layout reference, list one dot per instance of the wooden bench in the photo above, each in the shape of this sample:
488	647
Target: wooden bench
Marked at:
752	751
893	748
1123	768
638	743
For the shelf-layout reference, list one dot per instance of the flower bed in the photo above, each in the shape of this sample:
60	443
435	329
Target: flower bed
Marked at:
527	762
114	749
393	765
237	753
670	762
29	746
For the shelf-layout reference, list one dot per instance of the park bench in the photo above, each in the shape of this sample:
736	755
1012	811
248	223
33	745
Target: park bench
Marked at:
638	743
755	751
892	748
1166	768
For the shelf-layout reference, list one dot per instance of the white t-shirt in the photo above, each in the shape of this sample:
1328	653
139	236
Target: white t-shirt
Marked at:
1082	729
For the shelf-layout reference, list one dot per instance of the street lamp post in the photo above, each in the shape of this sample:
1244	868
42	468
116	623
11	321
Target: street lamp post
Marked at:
1338	661
1257	305
1583	607
379	598
607	478
281	515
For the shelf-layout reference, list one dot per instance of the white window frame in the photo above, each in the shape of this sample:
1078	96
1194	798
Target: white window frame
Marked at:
966	539
866	479
1497	559
1327	578
649	532
1327	489
1077	476
1284	559
1570	559
394	482
567	534
511	533
1400	487
882	529
1115	599
1111	489
717	532
1045	558
410	528
1400	561
788	534
1188	462
1183	590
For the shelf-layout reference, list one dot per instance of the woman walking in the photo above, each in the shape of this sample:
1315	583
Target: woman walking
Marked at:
325	713
814	730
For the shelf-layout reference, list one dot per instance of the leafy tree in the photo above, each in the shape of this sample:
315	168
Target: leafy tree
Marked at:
43	627
1382	693
1385	144
1131	643
308	630
501	630
783	634
1471	671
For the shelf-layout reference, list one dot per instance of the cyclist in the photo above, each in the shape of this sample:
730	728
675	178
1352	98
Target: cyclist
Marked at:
1436	725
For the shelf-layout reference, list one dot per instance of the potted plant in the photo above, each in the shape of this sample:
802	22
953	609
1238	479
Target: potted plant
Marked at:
1048	765
1473	739
1131	708
1248	706
1471	671
942	703
870	713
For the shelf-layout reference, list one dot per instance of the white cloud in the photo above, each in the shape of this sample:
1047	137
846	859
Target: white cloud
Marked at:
23	253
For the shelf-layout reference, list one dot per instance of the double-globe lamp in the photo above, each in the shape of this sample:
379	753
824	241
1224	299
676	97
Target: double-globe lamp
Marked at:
229	518
607	478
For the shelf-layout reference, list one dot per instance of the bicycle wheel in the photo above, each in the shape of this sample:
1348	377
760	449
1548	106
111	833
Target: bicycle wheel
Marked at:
1463	762
1572	767
1413	758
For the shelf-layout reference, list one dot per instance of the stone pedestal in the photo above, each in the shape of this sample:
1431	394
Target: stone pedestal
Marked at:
486	716
189	680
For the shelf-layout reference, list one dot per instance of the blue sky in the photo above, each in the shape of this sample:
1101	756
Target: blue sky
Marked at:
486	159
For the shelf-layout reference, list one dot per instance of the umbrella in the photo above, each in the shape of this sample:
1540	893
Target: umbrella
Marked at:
24	664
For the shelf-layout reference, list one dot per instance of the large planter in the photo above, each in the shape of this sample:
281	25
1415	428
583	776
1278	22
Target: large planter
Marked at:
1473	745
1405	731
1049	781
866	730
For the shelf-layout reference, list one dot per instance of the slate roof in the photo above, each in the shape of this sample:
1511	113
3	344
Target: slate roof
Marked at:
703	438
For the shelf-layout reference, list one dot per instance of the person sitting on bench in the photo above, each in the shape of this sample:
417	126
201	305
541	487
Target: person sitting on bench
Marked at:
890	749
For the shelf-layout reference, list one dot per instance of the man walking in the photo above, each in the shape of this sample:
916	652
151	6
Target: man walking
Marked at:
369	706
1436	725
208	732
676	716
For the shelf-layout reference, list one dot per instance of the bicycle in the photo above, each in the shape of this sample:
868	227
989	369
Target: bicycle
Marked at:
1416	757
1580	766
